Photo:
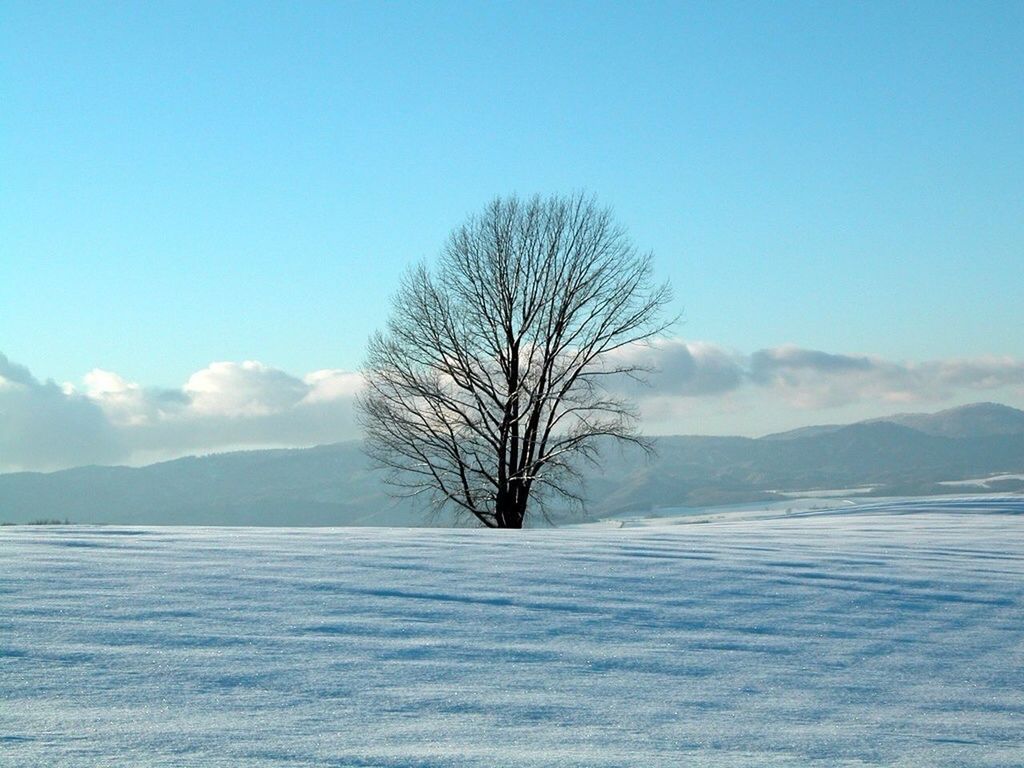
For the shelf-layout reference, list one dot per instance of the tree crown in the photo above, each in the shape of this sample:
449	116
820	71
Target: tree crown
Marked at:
489	383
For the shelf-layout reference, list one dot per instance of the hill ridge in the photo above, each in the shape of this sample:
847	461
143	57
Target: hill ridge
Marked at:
334	484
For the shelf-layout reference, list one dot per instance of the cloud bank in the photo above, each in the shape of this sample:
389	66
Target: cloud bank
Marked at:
44	425
813	379
108	419
809	378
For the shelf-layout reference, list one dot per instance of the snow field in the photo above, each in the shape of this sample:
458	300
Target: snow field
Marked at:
878	635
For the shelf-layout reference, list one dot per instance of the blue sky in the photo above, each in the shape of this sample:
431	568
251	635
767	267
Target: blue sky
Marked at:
189	183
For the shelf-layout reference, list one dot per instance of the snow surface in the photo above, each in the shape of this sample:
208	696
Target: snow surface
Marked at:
982	482
883	634
827	493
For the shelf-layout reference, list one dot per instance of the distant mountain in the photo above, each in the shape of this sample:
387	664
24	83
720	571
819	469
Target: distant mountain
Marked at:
889	458
976	420
908	454
820	429
326	485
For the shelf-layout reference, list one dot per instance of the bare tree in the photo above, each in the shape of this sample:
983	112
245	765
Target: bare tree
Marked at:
489	384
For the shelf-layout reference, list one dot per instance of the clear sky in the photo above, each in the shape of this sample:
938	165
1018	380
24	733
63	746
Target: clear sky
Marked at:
184	183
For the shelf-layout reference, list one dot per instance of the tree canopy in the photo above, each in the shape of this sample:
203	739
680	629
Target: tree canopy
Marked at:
489	383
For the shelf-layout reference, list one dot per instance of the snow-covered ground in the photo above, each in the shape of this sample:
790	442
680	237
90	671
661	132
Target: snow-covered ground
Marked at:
884	634
982	482
826	494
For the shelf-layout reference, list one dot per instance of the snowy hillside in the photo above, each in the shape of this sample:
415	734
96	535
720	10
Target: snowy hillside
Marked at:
878	635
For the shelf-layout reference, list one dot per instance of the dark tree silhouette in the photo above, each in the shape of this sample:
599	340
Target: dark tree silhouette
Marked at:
489	384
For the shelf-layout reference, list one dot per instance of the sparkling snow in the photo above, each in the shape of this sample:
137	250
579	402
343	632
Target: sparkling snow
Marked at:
876	635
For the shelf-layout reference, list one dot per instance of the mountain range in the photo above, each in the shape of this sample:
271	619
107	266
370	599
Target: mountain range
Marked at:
904	454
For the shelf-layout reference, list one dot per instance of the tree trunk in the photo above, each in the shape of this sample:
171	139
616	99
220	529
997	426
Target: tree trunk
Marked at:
507	513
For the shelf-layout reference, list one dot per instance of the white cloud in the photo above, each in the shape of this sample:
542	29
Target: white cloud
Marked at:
807	378
813	379
44	426
126	403
243	390
694	385
331	384
225	405
681	368
980	373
